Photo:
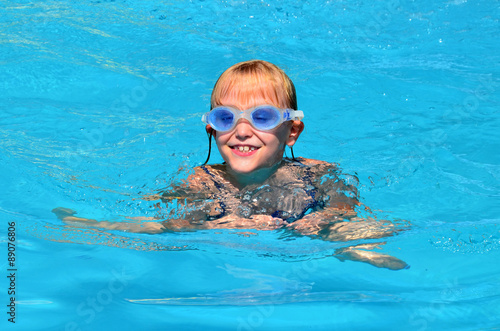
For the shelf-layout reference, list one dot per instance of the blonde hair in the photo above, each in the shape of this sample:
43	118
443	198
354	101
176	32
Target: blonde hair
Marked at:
245	80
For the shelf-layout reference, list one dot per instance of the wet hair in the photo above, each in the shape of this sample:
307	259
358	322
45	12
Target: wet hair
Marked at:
245	80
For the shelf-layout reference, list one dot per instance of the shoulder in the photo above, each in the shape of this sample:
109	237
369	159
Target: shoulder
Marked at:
307	161
201	181
206	171
328	174
206	177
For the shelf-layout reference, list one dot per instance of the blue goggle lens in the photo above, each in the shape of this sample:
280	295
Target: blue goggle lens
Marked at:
221	119
265	118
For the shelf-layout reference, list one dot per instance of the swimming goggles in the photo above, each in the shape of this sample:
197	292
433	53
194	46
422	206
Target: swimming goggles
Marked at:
262	118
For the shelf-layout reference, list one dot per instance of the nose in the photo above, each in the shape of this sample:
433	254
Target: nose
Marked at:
243	129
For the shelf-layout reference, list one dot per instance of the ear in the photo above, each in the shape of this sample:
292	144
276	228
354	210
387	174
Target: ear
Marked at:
295	131
209	130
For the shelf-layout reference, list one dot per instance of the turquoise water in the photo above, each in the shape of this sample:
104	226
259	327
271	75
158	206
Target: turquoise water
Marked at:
101	103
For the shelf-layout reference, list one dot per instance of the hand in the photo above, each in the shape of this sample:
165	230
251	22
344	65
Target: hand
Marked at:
62	212
66	215
363	253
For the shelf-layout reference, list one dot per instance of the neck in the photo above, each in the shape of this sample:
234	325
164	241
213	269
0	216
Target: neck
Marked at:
255	177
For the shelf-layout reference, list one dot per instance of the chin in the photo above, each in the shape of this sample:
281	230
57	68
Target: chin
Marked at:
248	169
243	170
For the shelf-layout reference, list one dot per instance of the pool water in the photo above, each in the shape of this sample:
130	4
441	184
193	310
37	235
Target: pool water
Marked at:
101	103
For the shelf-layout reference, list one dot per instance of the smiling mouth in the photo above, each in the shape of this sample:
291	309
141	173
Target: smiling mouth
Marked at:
244	149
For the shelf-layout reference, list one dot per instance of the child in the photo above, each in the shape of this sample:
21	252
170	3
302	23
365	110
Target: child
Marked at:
253	117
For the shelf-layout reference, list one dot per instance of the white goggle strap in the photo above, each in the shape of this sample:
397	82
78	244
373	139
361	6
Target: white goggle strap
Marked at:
204	118
295	114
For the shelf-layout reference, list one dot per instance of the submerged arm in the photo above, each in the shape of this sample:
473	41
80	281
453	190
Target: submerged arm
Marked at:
339	221
153	225
135	225
332	224
335	224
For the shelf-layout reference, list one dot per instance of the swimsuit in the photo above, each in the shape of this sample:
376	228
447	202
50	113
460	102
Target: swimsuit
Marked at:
289	201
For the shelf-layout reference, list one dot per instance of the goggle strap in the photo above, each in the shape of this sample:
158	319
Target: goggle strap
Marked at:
291	114
296	115
209	146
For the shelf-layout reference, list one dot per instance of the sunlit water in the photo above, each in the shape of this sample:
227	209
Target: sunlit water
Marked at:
101	103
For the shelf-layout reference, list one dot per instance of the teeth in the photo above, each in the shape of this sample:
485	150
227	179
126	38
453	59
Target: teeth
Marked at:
245	149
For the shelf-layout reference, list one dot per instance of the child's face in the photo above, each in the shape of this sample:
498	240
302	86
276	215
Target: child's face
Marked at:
246	149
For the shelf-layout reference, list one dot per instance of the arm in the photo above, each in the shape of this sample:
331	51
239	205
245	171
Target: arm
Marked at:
342	224
135	225
345	226
147	224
